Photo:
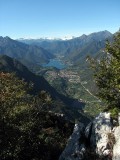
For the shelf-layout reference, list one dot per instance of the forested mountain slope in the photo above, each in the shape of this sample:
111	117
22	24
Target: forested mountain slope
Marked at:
62	103
27	54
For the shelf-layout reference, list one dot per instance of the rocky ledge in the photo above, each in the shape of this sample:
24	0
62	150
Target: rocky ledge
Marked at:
99	140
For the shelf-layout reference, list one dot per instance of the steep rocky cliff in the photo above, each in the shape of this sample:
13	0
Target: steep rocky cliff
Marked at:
100	140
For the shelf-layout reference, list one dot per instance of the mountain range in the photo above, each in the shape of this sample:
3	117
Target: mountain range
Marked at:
75	49
33	55
33	52
27	54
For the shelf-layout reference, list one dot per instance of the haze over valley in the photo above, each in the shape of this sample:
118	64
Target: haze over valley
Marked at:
59	80
62	63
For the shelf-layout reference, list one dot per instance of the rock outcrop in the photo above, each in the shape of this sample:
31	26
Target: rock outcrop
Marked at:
74	149
100	140
101	130
116	148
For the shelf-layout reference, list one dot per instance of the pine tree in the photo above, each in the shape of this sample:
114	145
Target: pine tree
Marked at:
107	74
27	129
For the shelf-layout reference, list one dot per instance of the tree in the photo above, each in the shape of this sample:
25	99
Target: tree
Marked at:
14	115
27	131
107	73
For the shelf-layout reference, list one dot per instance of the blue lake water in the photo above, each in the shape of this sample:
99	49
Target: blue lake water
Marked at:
55	63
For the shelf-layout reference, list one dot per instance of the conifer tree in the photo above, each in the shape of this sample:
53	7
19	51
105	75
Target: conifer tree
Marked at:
107	74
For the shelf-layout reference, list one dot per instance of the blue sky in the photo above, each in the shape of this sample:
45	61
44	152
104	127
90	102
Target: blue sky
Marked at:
57	18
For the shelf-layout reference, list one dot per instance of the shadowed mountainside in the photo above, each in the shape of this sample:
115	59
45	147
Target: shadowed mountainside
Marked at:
62	103
27	54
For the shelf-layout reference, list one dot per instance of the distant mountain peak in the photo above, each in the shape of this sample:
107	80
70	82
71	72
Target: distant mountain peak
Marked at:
7	37
27	54
48	38
105	32
83	36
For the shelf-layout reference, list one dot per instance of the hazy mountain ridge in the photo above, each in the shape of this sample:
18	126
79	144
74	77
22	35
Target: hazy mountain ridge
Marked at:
76	51
75	48
27	54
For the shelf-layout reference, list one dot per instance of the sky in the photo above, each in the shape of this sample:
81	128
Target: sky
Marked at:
57	18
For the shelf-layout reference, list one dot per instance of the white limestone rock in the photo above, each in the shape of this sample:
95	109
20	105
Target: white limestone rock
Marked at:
99	137
119	119
88	130
74	150
116	148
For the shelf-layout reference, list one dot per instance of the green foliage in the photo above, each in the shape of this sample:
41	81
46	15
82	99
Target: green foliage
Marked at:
107	74
26	131
114	113
12	93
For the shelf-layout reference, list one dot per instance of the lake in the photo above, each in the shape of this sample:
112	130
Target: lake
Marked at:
55	63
